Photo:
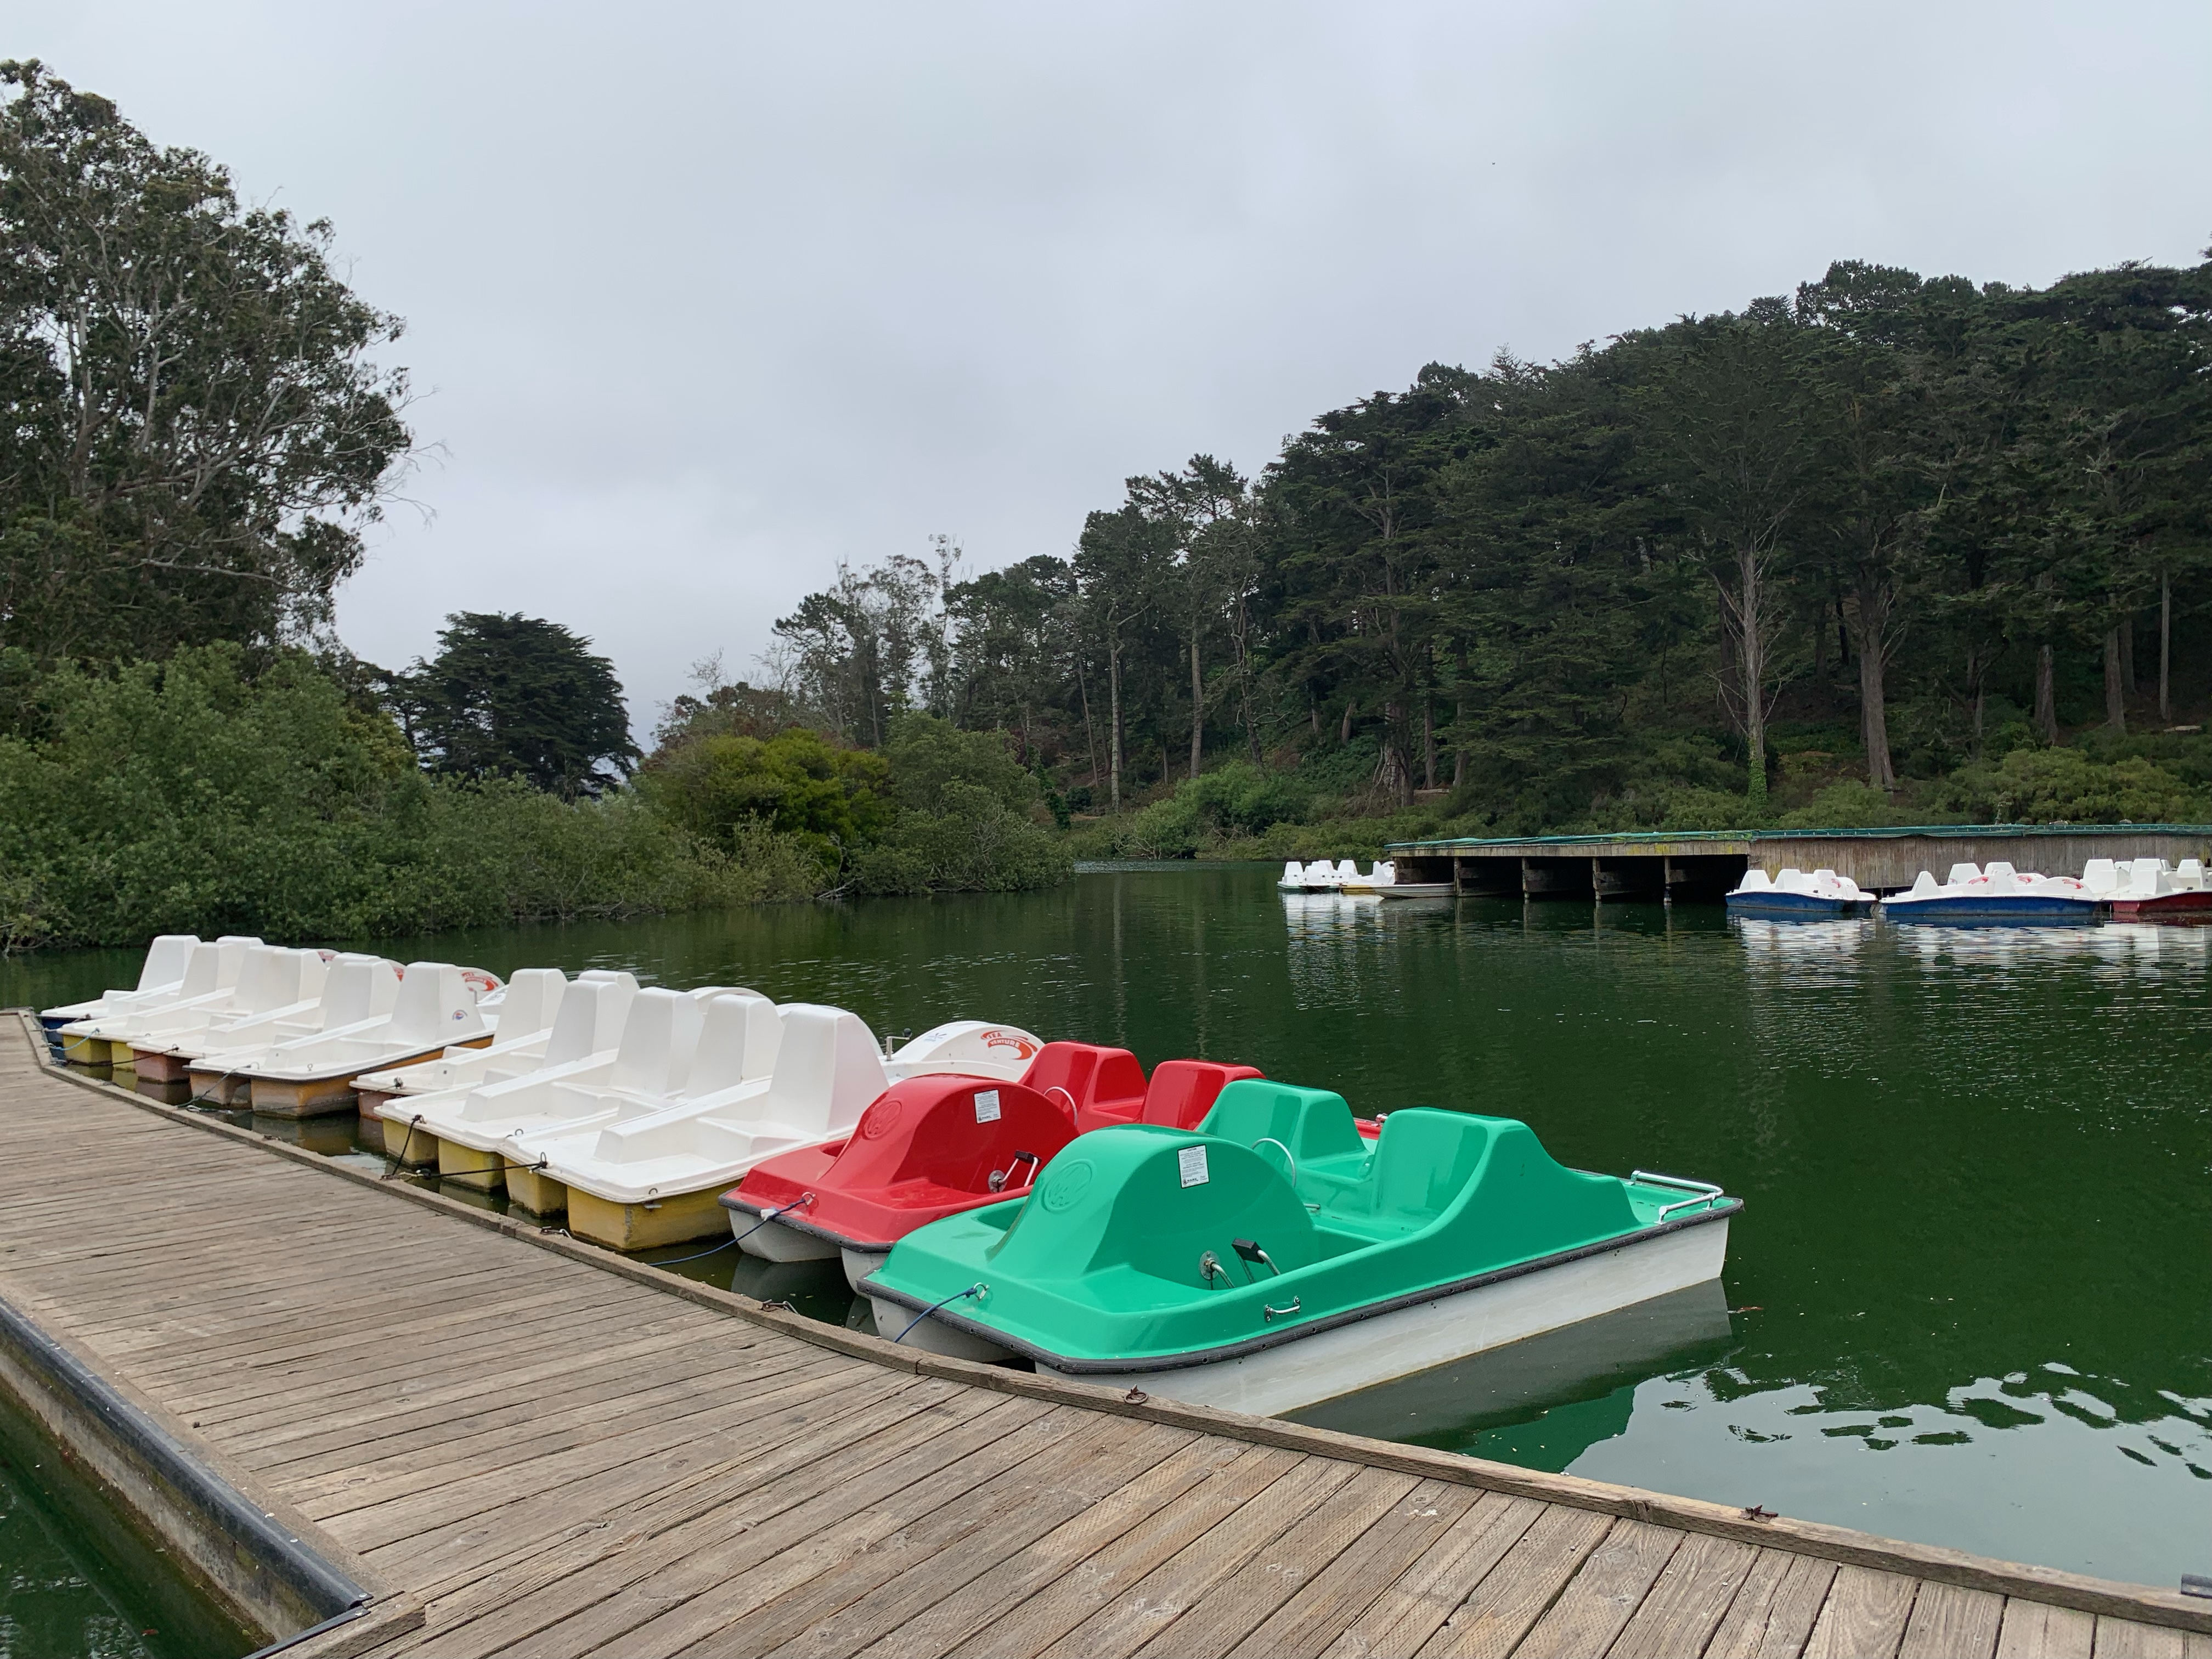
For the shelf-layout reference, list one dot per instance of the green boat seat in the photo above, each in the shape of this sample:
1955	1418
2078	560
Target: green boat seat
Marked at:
1150	1202
1315	1125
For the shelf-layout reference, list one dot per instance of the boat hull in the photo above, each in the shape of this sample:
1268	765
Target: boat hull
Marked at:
2167	907
1993	907
408	1144
1308	1370
468	1166
676	1220
771	1241
1786	905
1411	890
535	1191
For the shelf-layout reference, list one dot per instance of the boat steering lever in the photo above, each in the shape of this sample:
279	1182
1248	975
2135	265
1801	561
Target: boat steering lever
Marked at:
1250	1250
1000	1179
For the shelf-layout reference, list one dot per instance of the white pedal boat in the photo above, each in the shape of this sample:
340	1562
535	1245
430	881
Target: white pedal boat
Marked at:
358	990
528	1010
1791	892
1997	894
158	974
664	1043
585	1036
277	992
436	1006
211	969
658	1179
2149	889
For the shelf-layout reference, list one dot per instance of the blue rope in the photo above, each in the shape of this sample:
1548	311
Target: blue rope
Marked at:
735	1238
976	1289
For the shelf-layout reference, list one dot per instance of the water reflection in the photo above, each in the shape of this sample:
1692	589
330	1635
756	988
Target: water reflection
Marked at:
1569	1381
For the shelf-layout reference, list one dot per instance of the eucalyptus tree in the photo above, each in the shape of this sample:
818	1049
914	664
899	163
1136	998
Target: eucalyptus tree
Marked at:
1125	572
196	433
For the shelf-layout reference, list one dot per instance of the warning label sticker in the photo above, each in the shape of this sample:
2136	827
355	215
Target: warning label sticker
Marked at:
986	1105
1191	1162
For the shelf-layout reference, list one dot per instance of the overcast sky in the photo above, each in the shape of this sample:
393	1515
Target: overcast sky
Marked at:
704	298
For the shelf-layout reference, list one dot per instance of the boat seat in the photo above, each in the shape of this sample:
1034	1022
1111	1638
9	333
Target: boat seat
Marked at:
737	1042
1315	1124
1182	1091
1088	1082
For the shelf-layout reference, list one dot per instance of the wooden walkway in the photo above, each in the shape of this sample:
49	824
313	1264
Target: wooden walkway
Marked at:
551	1452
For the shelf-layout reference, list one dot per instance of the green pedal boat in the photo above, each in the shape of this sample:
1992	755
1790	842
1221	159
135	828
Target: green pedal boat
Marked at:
1273	1259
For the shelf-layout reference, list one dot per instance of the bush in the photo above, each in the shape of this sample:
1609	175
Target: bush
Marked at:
974	843
722	786
183	797
2068	785
1850	805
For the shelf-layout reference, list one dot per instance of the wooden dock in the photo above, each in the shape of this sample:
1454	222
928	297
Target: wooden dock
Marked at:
1705	863
532	1448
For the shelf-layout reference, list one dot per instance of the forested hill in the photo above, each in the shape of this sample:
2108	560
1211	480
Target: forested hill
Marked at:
1886	528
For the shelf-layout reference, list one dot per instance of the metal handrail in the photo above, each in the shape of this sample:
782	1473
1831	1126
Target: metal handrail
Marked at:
1707	1193
1289	1156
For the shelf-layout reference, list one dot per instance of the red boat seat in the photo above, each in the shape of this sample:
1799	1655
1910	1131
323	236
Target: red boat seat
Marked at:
1083	1080
1182	1091
926	1148
1180	1095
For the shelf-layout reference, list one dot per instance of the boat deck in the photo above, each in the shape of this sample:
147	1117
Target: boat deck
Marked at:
538	1448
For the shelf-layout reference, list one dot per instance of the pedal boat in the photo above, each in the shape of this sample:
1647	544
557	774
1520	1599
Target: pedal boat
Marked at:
2146	890
614	1048
1275	1260
658	1178
278	992
310	1077
1792	894
211	972
1997	894
933	1147
1382	874
526	1012
357	991
158	974
926	1148
1293	878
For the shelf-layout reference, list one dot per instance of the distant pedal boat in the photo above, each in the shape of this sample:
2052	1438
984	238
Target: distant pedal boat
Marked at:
2000	893
1276	1259
1792	893
2147	890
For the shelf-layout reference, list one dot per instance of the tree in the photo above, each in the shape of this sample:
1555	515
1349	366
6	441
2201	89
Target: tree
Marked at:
195	434
510	695
1123	562
1355	499
1733	437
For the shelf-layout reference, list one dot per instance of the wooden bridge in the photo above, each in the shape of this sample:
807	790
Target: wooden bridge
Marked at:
1705	863
524	1446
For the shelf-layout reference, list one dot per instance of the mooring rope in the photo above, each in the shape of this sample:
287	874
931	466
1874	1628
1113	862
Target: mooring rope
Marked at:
976	1289
738	1238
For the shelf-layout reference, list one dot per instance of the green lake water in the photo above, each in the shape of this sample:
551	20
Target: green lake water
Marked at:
1966	1301
77	1577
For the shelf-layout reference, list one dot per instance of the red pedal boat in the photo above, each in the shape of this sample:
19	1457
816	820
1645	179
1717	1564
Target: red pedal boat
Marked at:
934	1146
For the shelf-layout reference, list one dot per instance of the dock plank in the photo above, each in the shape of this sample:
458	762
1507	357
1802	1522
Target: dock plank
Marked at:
556	1453
2036	1630
1864	1616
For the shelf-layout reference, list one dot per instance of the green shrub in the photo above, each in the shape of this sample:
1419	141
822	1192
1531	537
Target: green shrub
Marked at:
183	797
972	842
2068	785
722	786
